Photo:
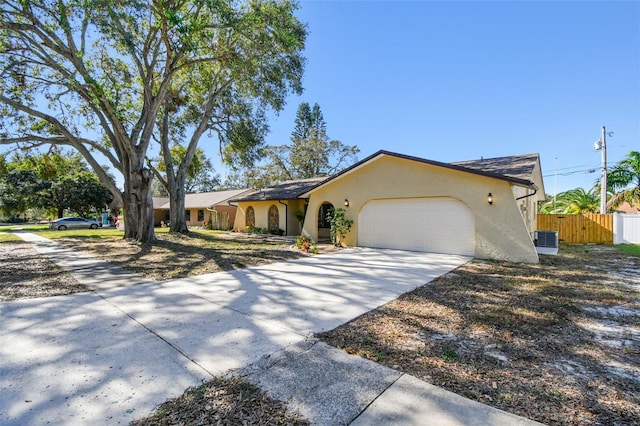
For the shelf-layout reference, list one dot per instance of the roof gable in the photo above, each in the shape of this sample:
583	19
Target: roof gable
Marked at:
518	174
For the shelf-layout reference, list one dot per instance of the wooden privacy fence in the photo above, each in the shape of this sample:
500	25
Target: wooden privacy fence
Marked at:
579	228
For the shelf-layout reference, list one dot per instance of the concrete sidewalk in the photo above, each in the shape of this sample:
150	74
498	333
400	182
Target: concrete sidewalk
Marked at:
112	355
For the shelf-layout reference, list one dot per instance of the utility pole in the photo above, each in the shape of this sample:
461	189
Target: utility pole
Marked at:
602	145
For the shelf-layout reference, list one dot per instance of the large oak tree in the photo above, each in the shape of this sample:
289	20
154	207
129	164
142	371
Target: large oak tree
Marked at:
112	78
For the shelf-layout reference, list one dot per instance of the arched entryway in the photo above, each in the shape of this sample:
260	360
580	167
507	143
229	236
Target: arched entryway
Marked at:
274	219
324	227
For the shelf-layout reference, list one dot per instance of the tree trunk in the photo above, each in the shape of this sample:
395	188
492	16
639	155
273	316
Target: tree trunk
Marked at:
138	206
177	222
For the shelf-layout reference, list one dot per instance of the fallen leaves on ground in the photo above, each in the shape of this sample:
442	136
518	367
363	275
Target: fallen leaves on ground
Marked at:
222	401
26	274
557	342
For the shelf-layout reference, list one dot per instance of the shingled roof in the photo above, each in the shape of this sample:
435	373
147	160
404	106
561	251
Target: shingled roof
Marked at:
519	173
289	190
514	166
200	199
517	169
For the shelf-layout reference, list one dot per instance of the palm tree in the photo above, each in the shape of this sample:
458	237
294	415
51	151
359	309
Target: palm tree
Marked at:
624	181
580	201
574	201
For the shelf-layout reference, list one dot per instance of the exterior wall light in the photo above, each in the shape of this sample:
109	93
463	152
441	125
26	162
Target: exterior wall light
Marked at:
490	199
346	202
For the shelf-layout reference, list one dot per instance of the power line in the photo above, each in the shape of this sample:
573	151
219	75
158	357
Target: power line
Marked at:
589	170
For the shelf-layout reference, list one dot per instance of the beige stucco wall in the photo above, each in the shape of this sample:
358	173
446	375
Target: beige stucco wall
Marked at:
500	229
286	213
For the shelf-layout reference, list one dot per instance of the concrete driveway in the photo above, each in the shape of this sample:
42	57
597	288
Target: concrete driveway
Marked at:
112	355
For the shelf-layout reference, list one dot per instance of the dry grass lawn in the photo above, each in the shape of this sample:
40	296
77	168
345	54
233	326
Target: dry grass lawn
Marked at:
178	256
557	342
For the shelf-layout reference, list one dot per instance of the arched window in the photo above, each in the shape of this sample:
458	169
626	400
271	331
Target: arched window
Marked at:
250	218
274	219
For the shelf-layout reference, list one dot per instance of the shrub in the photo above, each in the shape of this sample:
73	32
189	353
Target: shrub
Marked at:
305	244
340	225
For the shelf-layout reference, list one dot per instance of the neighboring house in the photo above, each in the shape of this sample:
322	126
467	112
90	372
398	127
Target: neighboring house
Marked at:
275	208
627	208
199	207
484	208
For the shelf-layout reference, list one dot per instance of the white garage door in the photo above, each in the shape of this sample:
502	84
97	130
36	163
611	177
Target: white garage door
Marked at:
437	225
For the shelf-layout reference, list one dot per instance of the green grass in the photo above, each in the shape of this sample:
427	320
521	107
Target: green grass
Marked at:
629	249
10	228
100	233
105	233
6	237
202	231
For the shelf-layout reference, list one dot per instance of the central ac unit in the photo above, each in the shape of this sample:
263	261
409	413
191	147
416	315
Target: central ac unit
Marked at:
546	242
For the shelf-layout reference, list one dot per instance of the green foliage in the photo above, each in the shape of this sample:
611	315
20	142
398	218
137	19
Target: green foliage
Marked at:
19	191
308	121
9	238
448	354
81	192
340	225
54	181
623	185
624	180
574	201
256	230
112	78
102	233
311	152
629	249
305	244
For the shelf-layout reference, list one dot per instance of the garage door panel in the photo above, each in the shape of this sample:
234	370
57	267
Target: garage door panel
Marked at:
441	225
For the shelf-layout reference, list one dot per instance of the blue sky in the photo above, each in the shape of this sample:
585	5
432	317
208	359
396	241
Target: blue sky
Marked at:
459	80
452	81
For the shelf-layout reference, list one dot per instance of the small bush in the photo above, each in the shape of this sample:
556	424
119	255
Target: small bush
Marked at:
448	354
340	226
305	244
276	232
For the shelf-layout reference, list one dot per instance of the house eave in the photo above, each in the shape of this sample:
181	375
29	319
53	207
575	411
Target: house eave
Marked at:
382	153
